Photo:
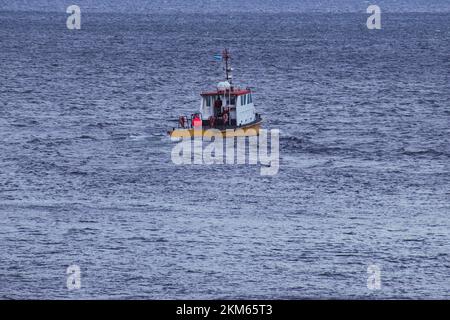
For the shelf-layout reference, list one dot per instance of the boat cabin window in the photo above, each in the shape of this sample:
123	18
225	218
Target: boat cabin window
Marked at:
246	99
208	101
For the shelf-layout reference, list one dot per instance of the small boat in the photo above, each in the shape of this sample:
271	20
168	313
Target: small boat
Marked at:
229	109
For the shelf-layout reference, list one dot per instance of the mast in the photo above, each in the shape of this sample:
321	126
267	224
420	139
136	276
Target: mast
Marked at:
227	56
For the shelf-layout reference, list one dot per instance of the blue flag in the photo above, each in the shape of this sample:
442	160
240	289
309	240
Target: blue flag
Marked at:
218	57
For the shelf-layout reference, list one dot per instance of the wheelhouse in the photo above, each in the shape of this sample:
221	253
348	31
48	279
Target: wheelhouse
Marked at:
228	106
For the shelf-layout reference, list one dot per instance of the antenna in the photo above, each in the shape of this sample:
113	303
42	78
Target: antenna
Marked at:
226	55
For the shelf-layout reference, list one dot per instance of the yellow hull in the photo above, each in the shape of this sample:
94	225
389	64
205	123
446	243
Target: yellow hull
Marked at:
244	131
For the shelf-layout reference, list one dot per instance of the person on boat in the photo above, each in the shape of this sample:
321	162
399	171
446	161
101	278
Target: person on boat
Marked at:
218	106
196	121
225	118
182	121
225	115
218	103
212	121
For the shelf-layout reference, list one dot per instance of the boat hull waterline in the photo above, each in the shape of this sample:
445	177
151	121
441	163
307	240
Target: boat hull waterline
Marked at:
249	130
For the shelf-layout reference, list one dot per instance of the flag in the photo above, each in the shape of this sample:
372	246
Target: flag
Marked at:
217	57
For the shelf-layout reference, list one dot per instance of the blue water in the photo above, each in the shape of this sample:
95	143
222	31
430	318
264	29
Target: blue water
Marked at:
86	176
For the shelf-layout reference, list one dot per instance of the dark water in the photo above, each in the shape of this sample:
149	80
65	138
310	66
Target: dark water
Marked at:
86	176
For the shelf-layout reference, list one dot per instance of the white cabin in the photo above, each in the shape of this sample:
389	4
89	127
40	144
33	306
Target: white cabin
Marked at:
235	102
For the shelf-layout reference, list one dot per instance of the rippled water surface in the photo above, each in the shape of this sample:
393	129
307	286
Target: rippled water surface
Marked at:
86	176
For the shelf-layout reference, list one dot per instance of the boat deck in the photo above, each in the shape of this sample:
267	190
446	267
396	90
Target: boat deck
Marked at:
249	129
